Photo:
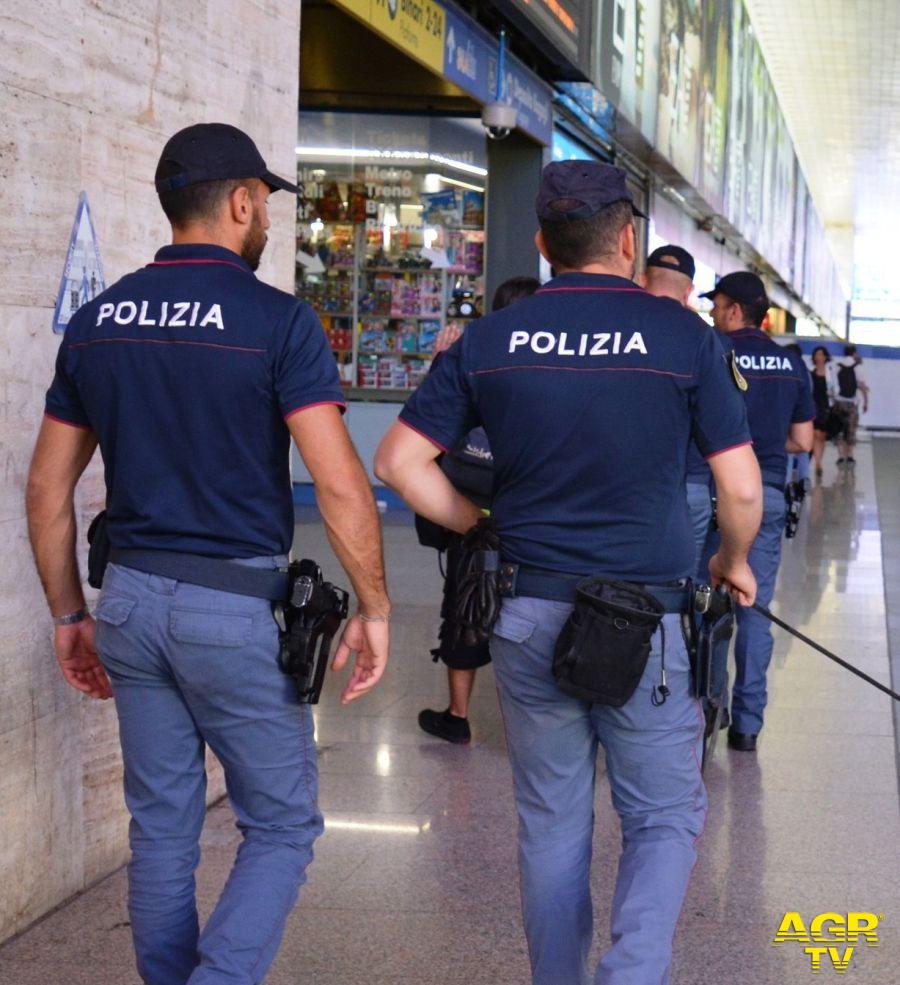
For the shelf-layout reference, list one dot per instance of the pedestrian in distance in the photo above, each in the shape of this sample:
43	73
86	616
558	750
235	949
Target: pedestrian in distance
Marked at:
192	377
822	376
851	390
589	392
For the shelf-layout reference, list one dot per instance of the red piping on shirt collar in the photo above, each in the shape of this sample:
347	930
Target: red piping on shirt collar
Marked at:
176	263
623	290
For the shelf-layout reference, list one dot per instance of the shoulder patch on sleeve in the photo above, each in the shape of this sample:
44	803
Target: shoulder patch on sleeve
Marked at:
739	381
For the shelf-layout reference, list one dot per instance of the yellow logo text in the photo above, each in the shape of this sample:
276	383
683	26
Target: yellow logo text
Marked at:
829	938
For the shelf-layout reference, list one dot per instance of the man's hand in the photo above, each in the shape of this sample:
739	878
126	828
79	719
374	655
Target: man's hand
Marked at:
446	337
371	642
78	659
736	577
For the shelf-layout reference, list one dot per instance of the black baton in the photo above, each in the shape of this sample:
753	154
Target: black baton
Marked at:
816	646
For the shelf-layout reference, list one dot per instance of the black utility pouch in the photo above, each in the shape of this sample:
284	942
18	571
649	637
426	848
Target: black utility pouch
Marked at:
604	645
98	550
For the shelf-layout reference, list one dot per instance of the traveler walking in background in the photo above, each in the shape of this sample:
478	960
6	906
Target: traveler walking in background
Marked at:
851	390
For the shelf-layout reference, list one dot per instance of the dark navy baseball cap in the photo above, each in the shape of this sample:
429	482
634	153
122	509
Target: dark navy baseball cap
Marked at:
740	286
213	152
671	257
580	189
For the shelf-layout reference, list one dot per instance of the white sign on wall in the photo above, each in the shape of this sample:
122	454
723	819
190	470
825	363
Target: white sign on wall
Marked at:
82	278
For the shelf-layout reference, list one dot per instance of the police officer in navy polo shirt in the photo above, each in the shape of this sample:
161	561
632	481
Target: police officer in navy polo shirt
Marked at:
780	410
193	376
590	392
670	274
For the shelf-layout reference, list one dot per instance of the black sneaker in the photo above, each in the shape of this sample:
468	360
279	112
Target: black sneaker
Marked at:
841	461
742	741
851	461
445	726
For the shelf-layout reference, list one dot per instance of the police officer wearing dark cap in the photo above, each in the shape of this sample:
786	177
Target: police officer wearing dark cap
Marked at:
589	392
192	377
669	273
780	411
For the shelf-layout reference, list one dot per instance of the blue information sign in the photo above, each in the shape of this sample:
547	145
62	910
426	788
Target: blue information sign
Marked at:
471	57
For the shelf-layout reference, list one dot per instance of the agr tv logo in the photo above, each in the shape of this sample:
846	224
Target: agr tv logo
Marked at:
826	931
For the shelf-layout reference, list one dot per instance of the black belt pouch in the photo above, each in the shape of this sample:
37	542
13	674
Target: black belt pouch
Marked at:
98	551
604	645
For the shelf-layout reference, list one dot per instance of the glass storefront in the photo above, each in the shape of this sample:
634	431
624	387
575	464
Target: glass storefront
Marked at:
390	242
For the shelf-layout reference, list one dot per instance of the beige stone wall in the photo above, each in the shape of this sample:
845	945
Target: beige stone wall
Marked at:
89	91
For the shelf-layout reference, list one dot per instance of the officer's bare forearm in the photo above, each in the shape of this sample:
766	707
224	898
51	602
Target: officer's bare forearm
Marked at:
406	461
354	532
800	438
61	454
426	489
739	518
739	499
52	529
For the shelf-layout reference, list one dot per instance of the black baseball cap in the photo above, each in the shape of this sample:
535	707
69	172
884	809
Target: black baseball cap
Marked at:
580	189
674	258
741	286
212	152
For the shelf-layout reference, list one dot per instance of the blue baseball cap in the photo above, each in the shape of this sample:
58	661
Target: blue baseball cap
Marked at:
580	189
213	152
740	286
671	257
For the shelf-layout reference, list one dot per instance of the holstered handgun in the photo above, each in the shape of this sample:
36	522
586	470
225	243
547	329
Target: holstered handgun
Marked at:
714	629
308	623
794	494
711	627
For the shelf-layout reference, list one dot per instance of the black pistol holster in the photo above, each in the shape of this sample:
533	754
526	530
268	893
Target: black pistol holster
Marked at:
307	623
709	628
794	494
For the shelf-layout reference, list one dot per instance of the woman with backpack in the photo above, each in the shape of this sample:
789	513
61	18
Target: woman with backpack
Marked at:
850	387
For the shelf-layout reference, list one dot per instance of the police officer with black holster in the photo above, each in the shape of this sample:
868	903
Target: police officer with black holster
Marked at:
590	392
192	377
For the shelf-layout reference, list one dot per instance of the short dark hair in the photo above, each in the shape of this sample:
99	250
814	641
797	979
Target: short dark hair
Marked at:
849	349
753	313
513	290
821	348
199	202
574	243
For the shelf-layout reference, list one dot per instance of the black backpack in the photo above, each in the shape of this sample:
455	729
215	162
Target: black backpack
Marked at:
847	382
470	467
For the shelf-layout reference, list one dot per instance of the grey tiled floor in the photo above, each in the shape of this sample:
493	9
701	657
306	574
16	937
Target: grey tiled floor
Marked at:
415	878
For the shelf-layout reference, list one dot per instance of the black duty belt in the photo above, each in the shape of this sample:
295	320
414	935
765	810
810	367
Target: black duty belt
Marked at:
207	572
559	586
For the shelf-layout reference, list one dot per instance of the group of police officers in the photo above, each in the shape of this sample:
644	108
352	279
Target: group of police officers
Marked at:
613	412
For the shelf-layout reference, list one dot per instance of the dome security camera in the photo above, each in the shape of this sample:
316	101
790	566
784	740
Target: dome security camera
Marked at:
498	119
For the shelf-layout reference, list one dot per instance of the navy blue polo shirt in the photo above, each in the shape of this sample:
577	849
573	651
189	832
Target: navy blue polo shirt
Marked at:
778	395
590	392
186	371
